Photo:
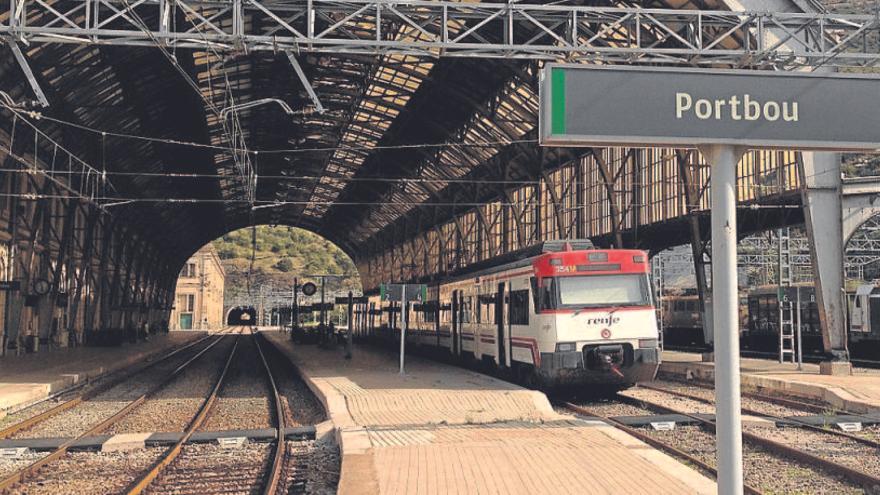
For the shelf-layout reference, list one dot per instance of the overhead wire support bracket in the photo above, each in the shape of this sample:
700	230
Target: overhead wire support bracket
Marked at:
305	82
29	74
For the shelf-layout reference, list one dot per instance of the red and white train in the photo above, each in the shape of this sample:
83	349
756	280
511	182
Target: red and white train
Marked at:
567	316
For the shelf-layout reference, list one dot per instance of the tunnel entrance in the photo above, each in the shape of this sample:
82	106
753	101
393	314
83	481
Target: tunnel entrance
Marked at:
242	316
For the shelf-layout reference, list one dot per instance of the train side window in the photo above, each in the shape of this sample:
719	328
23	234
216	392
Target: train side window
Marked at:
535	300
478	318
547	293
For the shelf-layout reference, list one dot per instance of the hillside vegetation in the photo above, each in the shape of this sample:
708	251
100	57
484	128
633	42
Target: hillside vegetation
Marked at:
280	254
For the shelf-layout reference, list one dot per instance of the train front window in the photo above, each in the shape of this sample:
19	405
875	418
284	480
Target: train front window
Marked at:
603	290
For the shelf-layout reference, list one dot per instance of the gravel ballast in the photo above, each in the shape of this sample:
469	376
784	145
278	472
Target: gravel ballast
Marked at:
85	415
245	399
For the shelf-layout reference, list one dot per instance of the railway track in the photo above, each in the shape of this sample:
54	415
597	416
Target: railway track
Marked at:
141	484
237	395
43	414
838	460
655	442
31	471
204	468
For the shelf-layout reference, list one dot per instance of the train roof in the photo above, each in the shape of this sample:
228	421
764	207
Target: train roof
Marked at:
527	257
774	289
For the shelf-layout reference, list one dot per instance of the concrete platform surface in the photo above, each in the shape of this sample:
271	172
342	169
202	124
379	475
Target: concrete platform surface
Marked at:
29	378
444	429
859	392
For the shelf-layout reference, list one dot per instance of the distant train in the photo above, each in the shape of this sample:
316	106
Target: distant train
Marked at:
682	320
567	316
759	320
762	329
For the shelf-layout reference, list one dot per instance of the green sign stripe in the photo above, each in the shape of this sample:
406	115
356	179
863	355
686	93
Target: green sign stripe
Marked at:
557	94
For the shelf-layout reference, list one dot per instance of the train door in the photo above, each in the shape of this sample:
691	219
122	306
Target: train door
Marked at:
455	323
873	311
499	322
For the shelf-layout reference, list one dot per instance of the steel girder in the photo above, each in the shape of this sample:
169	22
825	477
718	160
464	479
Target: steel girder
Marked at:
573	194
456	29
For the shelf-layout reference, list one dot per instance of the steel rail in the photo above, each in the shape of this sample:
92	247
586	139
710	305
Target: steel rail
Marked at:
22	474
861	478
270	487
144	365
782	401
654	443
794	420
141	484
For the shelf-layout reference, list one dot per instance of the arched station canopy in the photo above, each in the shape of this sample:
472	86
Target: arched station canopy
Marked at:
335	173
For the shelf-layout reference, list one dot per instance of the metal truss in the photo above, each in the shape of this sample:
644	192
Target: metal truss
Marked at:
442	28
760	252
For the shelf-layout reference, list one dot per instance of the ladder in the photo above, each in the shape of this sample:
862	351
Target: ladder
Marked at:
657	277
787	314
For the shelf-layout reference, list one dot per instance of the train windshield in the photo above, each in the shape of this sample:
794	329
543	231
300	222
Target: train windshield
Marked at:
603	290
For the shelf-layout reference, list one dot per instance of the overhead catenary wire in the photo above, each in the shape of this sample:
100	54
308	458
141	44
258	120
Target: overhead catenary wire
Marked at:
486	144
177	142
410	180
116	201
119	201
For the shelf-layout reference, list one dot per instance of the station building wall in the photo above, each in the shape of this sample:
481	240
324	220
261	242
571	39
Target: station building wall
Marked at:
198	299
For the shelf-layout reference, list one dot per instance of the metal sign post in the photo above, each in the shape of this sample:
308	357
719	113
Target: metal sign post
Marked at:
800	352
723	113
404	307
725	299
404	293
348	335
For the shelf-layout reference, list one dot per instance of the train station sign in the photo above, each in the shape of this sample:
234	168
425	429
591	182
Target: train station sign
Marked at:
583	105
394	292
354	300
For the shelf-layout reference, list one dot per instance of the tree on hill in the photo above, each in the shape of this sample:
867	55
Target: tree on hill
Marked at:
277	256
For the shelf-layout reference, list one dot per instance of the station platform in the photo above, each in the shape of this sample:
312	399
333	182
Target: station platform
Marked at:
445	429
29	378
858	392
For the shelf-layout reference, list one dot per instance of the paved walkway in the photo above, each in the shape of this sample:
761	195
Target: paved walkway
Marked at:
31	377
859	392
443	429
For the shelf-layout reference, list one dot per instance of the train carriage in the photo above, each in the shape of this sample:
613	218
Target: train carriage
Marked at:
569	315
682	320
762	332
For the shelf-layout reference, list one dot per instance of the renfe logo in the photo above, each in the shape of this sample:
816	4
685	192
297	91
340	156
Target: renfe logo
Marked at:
604	320
734	108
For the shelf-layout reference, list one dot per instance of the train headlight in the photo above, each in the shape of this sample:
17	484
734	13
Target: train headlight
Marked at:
647	343
566	347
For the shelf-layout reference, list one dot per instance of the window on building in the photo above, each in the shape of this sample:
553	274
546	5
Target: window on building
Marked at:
186	303
189	270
